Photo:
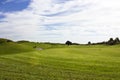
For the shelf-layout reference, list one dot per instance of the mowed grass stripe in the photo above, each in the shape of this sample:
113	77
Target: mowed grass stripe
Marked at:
64	64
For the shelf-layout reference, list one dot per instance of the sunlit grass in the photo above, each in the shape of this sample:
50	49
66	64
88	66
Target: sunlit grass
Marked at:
62	63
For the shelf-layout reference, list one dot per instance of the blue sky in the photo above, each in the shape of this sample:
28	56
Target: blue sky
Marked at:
60	20
13	5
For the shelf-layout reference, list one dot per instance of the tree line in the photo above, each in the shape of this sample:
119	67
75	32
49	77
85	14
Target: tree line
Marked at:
111	41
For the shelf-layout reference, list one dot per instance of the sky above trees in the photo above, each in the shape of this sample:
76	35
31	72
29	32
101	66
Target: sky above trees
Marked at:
60	20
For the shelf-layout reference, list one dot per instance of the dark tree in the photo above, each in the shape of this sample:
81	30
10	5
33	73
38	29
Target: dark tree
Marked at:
68	43
111	42
117	41
89	43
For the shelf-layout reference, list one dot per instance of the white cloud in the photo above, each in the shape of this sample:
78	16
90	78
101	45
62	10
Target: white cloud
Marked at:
81	21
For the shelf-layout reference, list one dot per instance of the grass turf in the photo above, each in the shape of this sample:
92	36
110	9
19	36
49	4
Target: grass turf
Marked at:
61	63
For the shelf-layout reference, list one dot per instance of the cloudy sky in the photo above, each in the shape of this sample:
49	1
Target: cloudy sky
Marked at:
60	20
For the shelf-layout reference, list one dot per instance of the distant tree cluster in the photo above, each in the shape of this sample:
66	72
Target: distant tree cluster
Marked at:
111	41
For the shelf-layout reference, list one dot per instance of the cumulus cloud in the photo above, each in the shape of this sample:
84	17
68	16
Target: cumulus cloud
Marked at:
60	20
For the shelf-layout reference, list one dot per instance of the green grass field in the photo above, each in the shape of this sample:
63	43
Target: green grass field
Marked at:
59	62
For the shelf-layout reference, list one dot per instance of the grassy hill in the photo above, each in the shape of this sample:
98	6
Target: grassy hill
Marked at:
59	62
11	47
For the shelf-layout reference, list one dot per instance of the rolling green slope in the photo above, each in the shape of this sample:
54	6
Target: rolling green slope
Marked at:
66	63
11	47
